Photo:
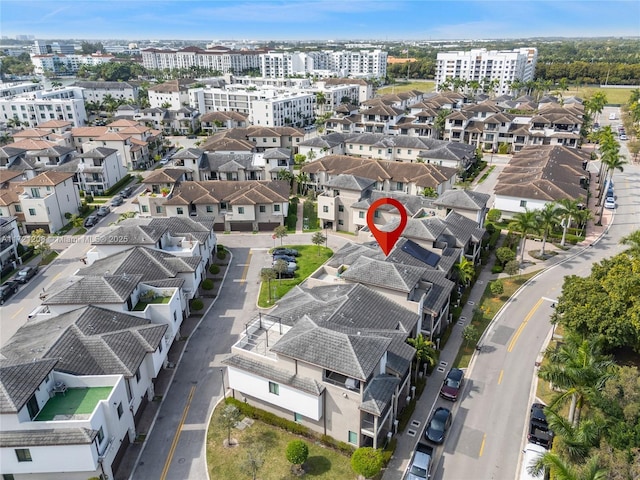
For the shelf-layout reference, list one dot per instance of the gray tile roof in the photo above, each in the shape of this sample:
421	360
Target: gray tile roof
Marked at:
278	375
355	356
46	437
184	226
277	154
19	379
130	234
379	393
214	161
379	273
464	199
350	182
437	289
350	252
88	341
92	290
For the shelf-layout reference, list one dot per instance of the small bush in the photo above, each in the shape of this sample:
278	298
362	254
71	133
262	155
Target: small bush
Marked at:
367	461
118	185
214	269
497	288
297	452
207	284
496	269
219	248
270	418
67	215
387	453
221	254
196	304
88	198
291	221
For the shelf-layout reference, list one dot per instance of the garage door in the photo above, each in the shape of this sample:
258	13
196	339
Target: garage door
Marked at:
241	226
218	227
267	227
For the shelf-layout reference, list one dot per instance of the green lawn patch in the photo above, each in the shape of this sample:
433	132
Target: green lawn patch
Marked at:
311	257
615	96
486	174
427	86
50	257
322	463
488	306
76	401
140	306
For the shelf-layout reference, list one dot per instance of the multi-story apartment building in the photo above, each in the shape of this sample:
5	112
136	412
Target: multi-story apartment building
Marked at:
97	91
217	58
345	63
503	66
173	94
37	107
55	47
8	90
62	64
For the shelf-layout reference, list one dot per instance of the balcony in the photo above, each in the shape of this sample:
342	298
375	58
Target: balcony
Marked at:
260	334
73	404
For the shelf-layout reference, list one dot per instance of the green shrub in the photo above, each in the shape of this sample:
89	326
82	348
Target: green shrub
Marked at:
88	198
219	248
214	269
118	185
367	461
81	193
388	451
343	447
496	287
221	254
68	215
196	304
270	418
291	221
207	284
496	269
297	452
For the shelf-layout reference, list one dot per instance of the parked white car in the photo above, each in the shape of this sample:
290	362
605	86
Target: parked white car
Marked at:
610	203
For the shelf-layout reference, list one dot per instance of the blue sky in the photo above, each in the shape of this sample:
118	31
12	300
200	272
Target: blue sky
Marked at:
317	20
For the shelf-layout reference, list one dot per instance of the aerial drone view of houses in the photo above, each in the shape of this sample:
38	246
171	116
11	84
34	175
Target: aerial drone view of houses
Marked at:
192	205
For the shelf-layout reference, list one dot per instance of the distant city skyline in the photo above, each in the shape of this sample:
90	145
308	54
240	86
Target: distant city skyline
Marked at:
322	20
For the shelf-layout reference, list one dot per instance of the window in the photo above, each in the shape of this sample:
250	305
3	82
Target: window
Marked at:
340	208
340	222
399	185
120	410
23	454
8	476
223	205
209	209
353	437
32	212
360	214
297	417
325	209
138	375
179	211
145	208
35	192
263	209
175	316
18	208
274	388
276	208
523	203
158	209
376	214
241	210
100	435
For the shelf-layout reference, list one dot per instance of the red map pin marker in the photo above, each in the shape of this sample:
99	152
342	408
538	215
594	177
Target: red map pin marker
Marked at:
386	240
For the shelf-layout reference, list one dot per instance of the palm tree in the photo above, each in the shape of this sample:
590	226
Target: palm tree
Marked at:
5	138
440	122
612	161
547	218
301	179
633	242
425	352
464	270
563	470
321	100
577	368
525	223
571	441
568	210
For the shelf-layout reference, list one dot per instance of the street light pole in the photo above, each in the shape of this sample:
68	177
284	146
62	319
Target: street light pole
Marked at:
224	389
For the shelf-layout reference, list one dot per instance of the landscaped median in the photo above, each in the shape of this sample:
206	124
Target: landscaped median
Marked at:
311	257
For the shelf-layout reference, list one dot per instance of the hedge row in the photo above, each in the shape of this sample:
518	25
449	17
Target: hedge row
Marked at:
118	185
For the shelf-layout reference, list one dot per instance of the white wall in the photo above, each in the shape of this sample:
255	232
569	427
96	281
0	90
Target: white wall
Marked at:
510	205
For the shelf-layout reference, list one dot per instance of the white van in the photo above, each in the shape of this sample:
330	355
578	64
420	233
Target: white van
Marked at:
531	453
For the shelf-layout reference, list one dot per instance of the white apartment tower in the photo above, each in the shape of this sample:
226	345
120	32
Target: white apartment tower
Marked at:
345	63
505	66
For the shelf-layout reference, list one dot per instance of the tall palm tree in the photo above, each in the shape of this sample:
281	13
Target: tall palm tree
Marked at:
633	242
578	368
568	210
571	441
612	161
440	122
425	352
546	218
464	270
525	223
561	469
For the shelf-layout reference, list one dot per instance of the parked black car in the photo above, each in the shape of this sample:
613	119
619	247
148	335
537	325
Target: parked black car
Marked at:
7	289
25	274
286	258
117	200
438	425
285	251
539	432
91	221
126	192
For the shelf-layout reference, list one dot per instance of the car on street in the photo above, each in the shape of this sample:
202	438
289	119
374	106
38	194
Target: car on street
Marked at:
91	221
103	211
165	160
539	432
126	192
612	116
117	200
286	258
623	137
285	251
419	467
531	453
25	274
610	203
452	384
438	425
7	289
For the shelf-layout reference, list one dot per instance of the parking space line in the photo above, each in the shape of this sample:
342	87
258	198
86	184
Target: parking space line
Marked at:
246	268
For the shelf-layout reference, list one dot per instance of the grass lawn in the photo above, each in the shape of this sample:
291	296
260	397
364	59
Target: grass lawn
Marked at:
322	463
50	257
489	306
426	86
311	257
614	95
75	401
80	231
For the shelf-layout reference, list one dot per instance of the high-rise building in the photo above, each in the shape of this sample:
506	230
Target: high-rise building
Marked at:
481	65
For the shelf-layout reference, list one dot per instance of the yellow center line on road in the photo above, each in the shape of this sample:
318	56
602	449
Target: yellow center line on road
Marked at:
246	268
16	314
53	280
484	439
500	377
514	339
176	437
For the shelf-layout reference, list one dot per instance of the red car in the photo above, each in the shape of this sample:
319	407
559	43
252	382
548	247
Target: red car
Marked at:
452	384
